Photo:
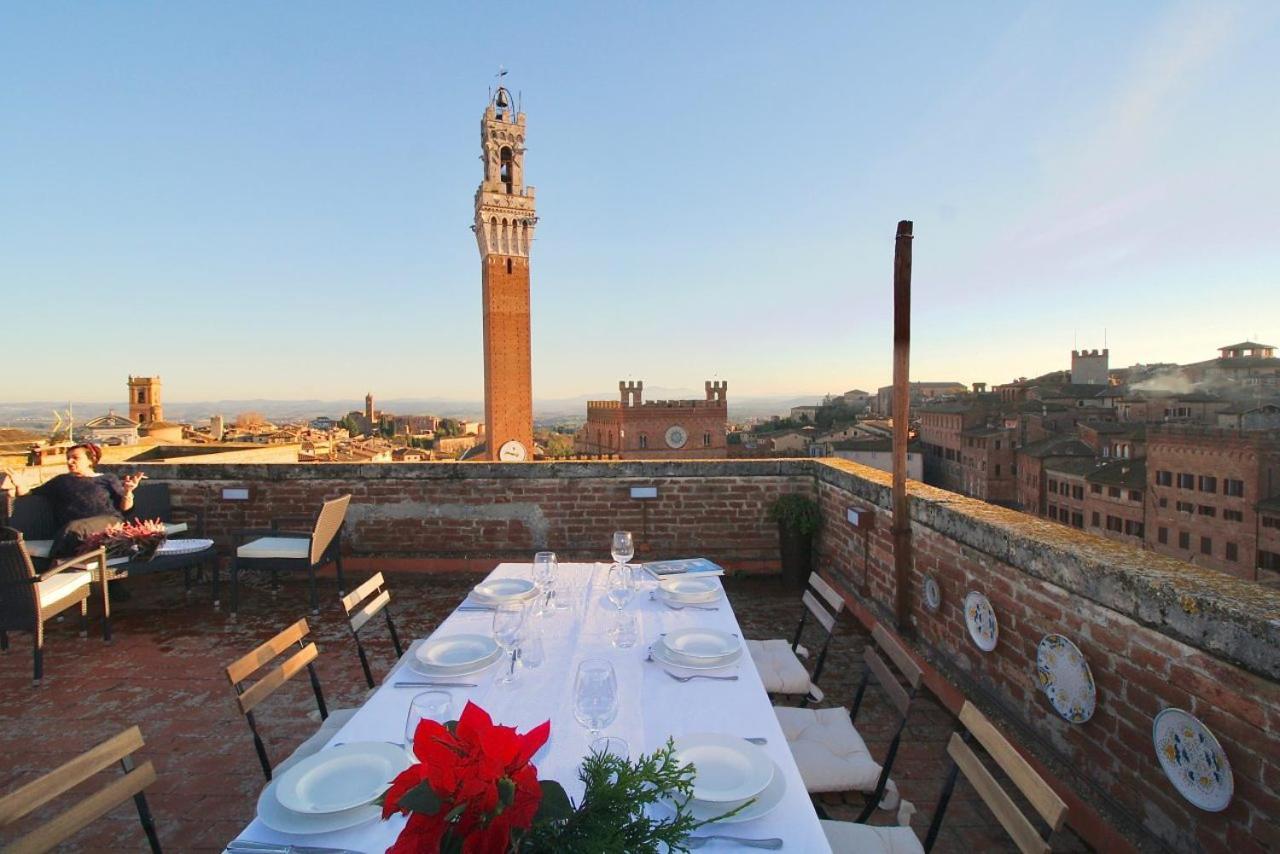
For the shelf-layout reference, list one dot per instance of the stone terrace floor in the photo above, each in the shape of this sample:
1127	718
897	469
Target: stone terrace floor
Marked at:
165	673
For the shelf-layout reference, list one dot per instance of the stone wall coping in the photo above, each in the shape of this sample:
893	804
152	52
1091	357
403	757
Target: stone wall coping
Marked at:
1227	617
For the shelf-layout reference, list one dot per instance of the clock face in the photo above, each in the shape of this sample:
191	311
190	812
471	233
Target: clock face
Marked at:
676	436
512	452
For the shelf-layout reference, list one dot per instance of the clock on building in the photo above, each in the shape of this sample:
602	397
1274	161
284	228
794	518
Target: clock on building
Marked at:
676	436
512	452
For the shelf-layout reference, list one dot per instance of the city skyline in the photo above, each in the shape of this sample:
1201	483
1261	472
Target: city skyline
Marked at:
261	203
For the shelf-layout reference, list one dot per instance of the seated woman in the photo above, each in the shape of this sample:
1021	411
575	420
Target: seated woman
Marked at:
84	501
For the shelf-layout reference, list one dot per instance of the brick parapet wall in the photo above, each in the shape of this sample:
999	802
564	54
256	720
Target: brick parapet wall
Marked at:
1157	632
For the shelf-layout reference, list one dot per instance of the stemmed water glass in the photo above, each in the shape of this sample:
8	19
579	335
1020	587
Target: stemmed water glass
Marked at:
428	706
623	548
621	585
544	575
595	695
507	620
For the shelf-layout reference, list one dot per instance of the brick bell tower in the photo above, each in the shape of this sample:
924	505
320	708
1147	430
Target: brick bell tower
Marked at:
504	226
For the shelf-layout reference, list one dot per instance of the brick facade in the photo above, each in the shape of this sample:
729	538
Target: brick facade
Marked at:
635	429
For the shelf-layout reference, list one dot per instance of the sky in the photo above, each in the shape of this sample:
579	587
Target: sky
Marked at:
273	199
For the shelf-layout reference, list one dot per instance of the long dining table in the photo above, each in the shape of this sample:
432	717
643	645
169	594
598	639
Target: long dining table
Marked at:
652	707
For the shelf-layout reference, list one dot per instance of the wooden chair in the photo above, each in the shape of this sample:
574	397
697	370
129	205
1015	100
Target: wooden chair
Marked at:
830	752
39	792
248	697
283	550
852	837
779	662
378	598
29	599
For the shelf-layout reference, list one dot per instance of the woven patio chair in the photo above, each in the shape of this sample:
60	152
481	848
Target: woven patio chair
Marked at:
284	550
28	599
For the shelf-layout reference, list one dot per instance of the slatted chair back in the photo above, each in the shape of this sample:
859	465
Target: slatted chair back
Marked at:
900	682
328	524
822	604
248	696
19	598
1043	799
363	604
57	782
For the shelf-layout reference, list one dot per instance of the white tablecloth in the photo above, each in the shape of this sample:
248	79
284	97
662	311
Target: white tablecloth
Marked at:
652	706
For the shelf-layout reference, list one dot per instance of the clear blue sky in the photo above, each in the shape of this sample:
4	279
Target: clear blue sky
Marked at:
273	199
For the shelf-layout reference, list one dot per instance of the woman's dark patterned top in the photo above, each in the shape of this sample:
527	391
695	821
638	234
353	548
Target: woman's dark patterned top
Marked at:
74	497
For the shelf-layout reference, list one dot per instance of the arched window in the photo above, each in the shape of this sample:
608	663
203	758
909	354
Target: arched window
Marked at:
506	170
508	265
644	441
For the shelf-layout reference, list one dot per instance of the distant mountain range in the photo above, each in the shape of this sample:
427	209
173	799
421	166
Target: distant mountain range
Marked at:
39	414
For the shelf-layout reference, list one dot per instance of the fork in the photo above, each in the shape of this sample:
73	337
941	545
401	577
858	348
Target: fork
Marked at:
700	676
699	841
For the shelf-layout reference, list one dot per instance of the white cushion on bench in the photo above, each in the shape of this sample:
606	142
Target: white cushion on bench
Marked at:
61	586
831	755
276	547
780	668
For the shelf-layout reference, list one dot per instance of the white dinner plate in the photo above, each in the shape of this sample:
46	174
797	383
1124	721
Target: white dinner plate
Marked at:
690	589
498	591
765	802
275	816
666	656
727	769
454	655
341	778
703	644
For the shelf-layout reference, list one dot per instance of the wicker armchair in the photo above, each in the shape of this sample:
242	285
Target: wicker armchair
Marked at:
28	599
283	550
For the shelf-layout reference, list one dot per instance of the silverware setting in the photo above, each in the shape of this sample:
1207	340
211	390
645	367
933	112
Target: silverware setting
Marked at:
244	846
758	740
408	684
772	842
475	608
653	595
700	676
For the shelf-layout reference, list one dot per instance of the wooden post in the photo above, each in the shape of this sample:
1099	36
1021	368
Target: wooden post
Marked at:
901	414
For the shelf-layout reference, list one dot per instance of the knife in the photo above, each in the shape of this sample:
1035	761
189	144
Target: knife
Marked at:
244	846
433	684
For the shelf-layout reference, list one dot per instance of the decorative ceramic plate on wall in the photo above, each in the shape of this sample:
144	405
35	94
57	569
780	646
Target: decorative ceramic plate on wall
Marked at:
932	594
1193	760
1065	678
980	617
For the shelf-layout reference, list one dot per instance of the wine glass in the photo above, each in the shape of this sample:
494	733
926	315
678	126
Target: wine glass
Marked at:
595	695
544	574
507	620
623	548
621	585
428	706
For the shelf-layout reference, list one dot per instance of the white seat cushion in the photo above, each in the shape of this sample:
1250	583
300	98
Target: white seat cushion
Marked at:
780	669
276	547
846	837
39	548
831	755
171	528
336	720
61	586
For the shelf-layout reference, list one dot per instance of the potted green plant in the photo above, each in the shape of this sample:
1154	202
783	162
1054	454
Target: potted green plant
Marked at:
798	520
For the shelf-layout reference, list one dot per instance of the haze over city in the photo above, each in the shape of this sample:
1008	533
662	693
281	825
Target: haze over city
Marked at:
273	201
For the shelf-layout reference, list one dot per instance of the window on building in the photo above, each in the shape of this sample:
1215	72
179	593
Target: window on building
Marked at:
1113	492
1053	512
1164	502
644	440
1186	481
508	265
1093	520
997	469
1164	478
1233	515
1135	495
1053	486
706	440
997	444
1134	529
1186	507
1233	487
1206	510
1233	552
1206	546
1208	483
1267	521
1184	540
1077	520
1268	560
1077	492
1115	523
1095	488
1162	536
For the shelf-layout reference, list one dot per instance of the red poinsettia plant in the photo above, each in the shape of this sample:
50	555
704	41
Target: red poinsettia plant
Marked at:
473	789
